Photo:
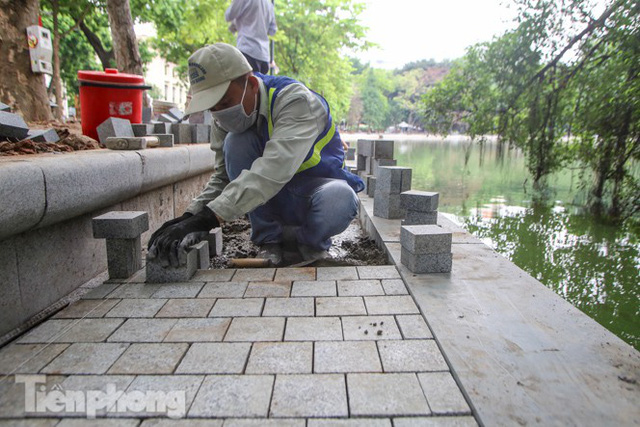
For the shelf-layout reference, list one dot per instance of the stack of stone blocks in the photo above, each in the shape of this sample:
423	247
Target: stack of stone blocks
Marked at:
371	155
14	128
390	183
421	207
426	248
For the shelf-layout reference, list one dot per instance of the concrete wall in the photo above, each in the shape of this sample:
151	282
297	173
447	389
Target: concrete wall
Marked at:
47	249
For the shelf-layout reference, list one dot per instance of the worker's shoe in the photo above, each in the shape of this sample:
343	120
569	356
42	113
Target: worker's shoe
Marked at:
311	254
272	252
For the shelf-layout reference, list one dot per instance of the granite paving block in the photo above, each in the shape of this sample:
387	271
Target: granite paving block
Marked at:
371	185
370	328
365	147
413	327
361	162
378	272
340	306
175	394
4	107
443	394
351	153
248	422
391	304
100	402
346	356
425	239
254	274
86	308
411	356
280	358
394	287
176	113
215	358
124	257
200	133
156	273
142	129
359	288
43	135
420	201
202	117
181	307
162	128
28	358
289	307
86	358
313	329
426	263
215	241
146	114
162	422
136	308
106	422
100	291
368	166
382	149
320	288
393	180
202	248
182	133
198	330
167	118
300	273
377	163
317	395
237	307
149	359
120	225
164	139
143	330
386	395
12	126
233	396
435	422
349	422
217	275
222	289
12	395
268	289
133	290
387	206
420	218
114	127
256	329
337	273
178	290
89	330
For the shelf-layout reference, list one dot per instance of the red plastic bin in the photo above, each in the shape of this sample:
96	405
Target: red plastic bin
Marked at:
109	94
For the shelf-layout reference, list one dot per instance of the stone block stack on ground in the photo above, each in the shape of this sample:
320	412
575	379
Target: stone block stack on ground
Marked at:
426	248
371	155
390	183
421	207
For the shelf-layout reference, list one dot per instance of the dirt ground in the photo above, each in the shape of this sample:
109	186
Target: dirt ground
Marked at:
351	247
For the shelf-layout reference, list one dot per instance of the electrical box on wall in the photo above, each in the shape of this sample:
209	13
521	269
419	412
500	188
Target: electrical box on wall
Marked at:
40	49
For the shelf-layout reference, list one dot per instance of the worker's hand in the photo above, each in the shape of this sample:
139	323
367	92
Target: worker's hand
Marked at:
168	244
164	226
232	28
345	146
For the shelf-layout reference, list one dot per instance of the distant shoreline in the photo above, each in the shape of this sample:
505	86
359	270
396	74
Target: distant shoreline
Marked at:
354	136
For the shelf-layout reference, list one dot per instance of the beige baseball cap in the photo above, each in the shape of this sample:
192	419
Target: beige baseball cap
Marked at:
211	70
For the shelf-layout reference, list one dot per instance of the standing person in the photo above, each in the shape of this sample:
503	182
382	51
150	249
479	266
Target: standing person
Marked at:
279	157
255	21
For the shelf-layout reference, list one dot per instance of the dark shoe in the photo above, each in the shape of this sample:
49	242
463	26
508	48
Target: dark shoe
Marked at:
272	252
311	254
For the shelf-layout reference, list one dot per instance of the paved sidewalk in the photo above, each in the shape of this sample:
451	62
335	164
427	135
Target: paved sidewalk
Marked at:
300	346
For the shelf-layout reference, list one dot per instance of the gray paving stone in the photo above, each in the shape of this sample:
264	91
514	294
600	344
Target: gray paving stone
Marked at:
435	422
361	162
217	275
256	329
420	218
86	308
142	129
182	133
85	358
358	328
215	358
143	330
177	113
359	287
377	163
426	263
248	422
351	153
161	422
124	257
103	422
162	128
337	273
167	118
178	290
198	330
425	239
200	133
392	304
254	274
313	329
43	135
91	383
346	356
233	396
100	291
413	327
28	358
320	288
443	394
299	273
89	330
114	127
268	289
149	359
137	307
46	331
420	201
382	149
371	185
393	180
280	358
411	356
289	307
164	139
203	117
340	306
378	272
156	273
203	255
365	147
394	287
317	395
177	394
214	238
134	290
223	290
387	206
12	394
237	307
198	307
386	395
351	422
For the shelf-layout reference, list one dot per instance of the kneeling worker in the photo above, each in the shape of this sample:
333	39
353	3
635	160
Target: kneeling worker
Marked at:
279	157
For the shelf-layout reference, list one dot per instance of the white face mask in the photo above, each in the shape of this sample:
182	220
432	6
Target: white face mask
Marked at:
234	119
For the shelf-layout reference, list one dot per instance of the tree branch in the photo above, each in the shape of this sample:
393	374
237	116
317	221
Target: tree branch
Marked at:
106	57
78	21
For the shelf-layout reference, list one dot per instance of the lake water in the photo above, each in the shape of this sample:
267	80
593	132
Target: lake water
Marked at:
593	266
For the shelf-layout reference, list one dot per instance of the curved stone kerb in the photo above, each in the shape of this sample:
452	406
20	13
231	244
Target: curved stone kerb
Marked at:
22	197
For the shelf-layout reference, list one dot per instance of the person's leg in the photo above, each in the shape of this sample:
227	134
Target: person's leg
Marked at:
256	64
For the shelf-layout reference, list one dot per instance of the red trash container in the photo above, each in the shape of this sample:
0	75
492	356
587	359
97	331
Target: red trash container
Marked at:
109	94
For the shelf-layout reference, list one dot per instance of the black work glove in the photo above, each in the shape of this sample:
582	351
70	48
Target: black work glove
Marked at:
164	226
168	243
